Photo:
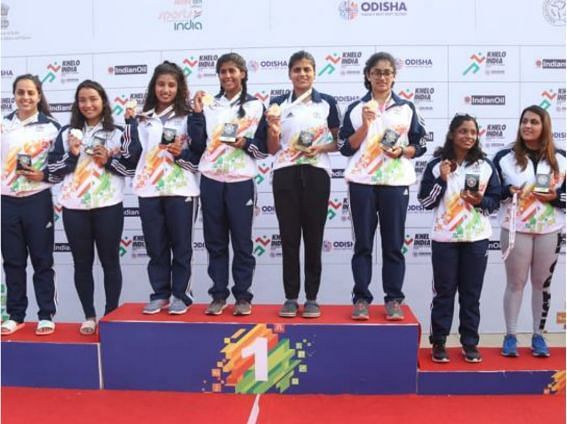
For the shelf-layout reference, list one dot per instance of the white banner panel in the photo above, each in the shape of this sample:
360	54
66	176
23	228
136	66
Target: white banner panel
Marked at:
470	56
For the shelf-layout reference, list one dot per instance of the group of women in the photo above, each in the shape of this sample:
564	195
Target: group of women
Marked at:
178	151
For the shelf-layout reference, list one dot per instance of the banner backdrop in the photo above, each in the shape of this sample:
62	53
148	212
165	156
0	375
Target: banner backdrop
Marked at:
486	58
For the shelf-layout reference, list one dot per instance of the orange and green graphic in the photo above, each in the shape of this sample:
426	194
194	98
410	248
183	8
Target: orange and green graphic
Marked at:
408	241
90	184
534	214
335	206
406	94
557	384
262	96
57	211
160	171
225	160
374	162
257	360
261	244
119	105
332	61
37	150
52	70
188	64
263	171
124	245
547	98
477	60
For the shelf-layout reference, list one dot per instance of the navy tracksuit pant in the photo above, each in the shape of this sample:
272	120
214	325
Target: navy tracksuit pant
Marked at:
167	223
85	229
228	209
27	226
389	204
301	198
457	267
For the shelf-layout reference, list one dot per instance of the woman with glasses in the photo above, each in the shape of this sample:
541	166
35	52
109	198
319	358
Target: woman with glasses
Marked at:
533	194
381	133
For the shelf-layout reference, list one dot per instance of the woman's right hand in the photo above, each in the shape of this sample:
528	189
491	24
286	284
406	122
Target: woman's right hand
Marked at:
514	190
274	125
74	145
130	113
198	101
368	116
445	169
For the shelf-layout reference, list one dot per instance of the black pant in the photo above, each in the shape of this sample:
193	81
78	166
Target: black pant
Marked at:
457	267
301	198
27	225
167	223
85	229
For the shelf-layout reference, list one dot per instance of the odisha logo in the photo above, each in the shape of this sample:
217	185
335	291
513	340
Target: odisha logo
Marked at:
554	12
253	65
348	10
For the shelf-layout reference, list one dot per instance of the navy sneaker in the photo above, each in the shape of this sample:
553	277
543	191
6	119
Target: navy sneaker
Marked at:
439	353
471	354
154	306
539	346
510	346
311	309
216	307
242	307
289	309
360	311
177	306
394	311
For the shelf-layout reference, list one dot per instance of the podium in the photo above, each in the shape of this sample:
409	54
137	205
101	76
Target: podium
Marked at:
264	353
64	359
259	353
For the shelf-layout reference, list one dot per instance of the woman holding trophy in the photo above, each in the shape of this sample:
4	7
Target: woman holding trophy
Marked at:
167	188
302	129
533	194
93	156
232	128
27	206
381	133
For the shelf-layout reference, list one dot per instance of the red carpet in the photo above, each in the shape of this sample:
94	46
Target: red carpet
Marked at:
494	361
330	314
51	406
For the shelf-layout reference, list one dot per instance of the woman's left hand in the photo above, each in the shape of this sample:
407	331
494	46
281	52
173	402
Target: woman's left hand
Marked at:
31	174
550	196
394	153
240	143
312	151
472	197
100	155
176	147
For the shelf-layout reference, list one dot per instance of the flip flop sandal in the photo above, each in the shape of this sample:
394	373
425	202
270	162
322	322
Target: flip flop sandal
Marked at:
45	328
88	328
10	327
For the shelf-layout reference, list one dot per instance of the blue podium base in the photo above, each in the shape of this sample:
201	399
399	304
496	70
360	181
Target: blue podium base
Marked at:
494	375
64	359
259	353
